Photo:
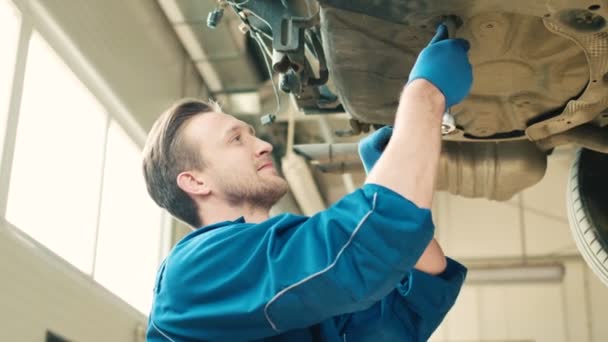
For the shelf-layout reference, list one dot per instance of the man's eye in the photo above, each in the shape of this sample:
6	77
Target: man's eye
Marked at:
237	138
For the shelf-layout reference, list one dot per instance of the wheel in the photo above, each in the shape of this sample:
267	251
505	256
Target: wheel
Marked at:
587	203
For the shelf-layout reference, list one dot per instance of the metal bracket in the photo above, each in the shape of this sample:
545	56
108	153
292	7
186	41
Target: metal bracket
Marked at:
286	20
448	123
357	128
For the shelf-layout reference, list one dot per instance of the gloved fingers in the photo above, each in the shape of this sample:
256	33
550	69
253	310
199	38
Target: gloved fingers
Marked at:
383	135
463	43
371	147
455	45
441	34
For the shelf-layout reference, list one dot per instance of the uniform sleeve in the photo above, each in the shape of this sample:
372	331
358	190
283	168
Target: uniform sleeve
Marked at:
412	311
245	283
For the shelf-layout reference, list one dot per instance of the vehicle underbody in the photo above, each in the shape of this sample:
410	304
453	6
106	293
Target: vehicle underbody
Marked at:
540	72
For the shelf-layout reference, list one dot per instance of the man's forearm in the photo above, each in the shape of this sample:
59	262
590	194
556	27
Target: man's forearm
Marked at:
410	160
432	260
441	77
409	163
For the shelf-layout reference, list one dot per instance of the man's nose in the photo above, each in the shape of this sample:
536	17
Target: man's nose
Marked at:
263	147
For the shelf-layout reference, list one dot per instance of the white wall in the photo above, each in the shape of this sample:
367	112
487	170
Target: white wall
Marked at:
127	54
41	292
573	310
532	226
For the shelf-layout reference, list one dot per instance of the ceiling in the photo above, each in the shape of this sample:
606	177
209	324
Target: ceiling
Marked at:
148	54
233	68
128	48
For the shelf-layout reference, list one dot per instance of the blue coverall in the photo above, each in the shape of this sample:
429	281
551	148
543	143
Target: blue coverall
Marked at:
344	274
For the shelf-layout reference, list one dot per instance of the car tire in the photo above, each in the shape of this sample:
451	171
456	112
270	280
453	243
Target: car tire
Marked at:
587	203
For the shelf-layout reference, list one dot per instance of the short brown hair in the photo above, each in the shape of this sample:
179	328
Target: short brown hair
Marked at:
166	154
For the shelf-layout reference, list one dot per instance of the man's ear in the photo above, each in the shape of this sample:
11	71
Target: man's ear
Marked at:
193	183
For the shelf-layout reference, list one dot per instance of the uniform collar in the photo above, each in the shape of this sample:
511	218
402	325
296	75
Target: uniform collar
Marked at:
211	227
220	224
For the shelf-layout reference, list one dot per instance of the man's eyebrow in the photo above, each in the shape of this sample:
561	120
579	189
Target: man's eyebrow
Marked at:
239	127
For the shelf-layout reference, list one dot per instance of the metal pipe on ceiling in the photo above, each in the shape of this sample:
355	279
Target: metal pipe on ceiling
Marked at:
329	153
522	273
347	178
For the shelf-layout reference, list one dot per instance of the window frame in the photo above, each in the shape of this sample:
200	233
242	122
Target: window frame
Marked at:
34	18
14	102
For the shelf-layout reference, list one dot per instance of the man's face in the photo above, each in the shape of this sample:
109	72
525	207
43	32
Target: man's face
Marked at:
238	165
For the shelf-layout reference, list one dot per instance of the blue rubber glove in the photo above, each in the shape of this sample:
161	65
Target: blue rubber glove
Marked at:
372	146
444	62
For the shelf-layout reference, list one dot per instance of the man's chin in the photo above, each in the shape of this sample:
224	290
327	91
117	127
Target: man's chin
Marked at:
272	192
275	177
280	185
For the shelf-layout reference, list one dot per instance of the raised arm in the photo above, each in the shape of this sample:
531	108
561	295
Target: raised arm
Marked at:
247	281
440	78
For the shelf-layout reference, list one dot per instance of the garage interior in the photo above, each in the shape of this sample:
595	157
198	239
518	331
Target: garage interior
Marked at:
81	83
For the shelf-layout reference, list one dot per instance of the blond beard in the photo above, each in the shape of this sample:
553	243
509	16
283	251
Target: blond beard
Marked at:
262	192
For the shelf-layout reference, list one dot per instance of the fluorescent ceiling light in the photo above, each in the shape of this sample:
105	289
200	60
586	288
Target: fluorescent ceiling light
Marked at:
516	274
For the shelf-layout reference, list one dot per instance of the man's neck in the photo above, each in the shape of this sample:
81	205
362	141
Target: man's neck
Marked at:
218	212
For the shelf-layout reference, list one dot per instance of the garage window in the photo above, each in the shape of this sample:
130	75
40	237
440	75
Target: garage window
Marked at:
56	171
9	34
76	184
129	228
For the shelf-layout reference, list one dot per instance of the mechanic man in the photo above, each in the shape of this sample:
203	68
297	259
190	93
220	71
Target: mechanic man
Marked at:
365	269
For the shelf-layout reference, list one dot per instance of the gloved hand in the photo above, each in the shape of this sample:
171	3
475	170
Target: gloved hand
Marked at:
444	62
372	146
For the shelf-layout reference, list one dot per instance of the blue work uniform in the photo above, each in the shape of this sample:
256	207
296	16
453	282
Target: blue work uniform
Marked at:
344	274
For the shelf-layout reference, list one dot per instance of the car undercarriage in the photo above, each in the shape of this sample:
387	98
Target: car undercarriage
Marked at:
540	81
